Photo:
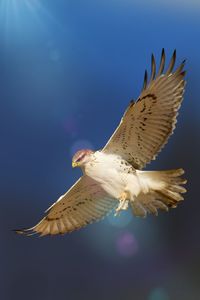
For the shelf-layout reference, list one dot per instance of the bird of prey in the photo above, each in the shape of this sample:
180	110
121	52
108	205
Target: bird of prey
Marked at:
113	177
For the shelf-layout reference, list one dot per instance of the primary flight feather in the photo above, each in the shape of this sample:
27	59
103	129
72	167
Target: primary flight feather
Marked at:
112	177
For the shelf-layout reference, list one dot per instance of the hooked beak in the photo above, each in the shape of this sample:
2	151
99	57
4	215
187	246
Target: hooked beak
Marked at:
74	164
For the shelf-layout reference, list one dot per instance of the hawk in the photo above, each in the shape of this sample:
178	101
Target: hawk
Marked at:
113	177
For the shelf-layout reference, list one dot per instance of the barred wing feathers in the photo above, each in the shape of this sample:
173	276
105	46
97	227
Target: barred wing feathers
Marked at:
84	203
148	123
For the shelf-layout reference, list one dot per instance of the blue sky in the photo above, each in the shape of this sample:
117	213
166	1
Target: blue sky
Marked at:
68	69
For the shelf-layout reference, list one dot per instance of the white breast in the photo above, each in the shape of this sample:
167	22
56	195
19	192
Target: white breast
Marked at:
107	170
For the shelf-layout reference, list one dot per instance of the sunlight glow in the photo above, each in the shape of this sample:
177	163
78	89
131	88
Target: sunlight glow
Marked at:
18	16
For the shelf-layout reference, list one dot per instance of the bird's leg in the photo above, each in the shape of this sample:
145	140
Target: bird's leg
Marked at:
123	202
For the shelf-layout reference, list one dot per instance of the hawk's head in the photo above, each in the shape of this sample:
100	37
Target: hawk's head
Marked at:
81	157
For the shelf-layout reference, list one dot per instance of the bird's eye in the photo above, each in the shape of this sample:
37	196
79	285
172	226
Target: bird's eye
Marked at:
80	157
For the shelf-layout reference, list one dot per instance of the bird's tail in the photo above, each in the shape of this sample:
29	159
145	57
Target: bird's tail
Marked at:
161	190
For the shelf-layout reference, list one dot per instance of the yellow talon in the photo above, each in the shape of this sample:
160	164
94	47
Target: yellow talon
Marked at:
123	202
123	196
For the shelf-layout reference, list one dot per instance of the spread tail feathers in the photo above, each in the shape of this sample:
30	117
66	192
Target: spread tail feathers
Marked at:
161	190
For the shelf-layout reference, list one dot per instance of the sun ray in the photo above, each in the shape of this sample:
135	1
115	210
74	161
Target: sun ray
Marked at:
40	13
16	16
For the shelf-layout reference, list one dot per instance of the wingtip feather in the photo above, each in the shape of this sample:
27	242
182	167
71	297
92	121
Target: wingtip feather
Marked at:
26	232
145	80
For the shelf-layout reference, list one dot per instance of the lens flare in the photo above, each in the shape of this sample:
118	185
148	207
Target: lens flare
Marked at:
126	244
54	55
158	294
122	220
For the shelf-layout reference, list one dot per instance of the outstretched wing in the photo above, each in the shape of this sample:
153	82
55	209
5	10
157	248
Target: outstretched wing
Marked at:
148	123
84	203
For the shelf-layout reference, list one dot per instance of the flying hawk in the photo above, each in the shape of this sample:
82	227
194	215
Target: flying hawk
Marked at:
113	177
